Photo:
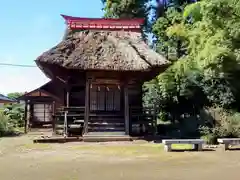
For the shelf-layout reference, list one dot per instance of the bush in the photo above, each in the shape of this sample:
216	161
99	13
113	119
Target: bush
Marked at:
15	113
227	126
11	119
3	124
210	135
6	128
231	127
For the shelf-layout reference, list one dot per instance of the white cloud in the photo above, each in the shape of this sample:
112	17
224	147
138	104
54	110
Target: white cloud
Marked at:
20	79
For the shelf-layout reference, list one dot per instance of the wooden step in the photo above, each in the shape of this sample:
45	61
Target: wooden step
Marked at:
105	124
61	126
106	115
70	115
105	129
105	134
76	126
106	120
61	139
78	121
59	131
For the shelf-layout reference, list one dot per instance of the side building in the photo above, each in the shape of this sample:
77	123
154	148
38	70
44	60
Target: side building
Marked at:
5	100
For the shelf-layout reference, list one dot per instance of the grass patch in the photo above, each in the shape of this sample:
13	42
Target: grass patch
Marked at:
120	150
32	146
182	146
145	149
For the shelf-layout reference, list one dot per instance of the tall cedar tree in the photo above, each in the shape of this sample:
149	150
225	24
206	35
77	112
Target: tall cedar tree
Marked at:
167	13
128	9
207	74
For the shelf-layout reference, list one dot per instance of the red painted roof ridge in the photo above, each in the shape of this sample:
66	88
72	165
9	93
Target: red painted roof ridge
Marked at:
71	18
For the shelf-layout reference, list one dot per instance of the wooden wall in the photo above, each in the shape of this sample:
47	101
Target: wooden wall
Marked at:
75	84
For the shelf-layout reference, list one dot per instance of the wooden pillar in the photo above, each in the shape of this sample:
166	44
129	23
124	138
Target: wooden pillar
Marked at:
30	114
155	120
87	97
54	116
126	109
65	124
26	118
67	98
66	114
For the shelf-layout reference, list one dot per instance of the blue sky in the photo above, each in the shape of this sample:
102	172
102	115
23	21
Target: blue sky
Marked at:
28	28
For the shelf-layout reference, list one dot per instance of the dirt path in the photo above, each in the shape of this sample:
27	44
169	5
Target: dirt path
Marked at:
22	160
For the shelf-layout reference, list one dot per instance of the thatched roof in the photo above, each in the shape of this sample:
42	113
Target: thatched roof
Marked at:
103	50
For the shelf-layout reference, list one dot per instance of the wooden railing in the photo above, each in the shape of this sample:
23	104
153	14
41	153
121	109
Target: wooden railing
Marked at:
69	116
143	116
139	116
71	109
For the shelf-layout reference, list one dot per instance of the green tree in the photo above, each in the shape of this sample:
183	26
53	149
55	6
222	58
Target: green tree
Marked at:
11	119
15	113
172	47
168	13
128	9
206	74
15	95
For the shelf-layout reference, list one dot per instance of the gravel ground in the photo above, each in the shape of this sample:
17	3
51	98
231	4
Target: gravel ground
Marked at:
20	159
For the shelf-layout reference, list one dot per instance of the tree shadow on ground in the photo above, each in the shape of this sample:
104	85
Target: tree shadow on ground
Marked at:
11	134
191	150
234	149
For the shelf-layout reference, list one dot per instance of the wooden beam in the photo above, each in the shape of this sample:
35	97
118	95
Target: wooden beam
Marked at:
86	116
126	109
62	80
